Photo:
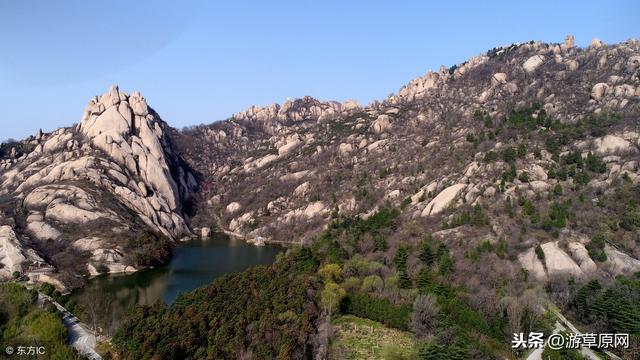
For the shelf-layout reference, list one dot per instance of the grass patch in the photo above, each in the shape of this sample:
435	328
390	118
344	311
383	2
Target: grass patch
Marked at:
358	338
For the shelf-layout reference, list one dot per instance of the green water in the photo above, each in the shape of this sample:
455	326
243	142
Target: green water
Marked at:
105	299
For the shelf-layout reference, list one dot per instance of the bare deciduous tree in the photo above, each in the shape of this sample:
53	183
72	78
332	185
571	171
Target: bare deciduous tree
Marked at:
423	317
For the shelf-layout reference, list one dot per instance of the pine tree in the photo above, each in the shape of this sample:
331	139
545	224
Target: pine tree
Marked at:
426	254
404	281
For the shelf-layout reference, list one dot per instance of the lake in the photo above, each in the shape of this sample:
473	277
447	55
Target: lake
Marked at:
105	299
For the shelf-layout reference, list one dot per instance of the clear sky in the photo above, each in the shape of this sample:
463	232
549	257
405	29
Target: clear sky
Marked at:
199	62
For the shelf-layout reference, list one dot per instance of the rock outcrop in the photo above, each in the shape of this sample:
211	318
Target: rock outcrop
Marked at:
111	177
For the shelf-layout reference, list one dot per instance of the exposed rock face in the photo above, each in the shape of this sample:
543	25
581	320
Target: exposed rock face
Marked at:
558	262
11	256
134	139
530	262
114	175
612	143
444	198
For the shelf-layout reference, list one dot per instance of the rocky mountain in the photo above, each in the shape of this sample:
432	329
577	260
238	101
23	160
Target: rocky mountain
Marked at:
108	195
533	148
541	140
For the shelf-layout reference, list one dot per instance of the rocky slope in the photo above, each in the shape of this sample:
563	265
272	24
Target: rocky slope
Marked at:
532	147
496	135
106	195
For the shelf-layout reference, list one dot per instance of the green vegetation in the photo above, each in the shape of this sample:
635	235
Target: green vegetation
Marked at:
475	217
490	156
613	308
562	354
267	310
149	249
22	323
21	148
359	338
377	309
596	248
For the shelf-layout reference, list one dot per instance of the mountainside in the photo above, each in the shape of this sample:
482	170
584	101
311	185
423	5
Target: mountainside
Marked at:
542	139
107	195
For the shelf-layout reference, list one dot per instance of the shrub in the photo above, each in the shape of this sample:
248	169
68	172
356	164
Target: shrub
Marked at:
372	283
596	248
539	253
404	281
380	243
330	272
557	189
351	283
426	254
509	155
490	156
509	175
595	164
522	150
400	259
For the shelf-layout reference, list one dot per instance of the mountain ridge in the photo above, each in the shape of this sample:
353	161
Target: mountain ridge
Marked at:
269	171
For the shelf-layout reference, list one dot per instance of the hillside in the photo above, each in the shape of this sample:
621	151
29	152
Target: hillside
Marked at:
541	139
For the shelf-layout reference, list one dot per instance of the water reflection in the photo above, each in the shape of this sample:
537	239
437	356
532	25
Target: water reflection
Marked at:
107	298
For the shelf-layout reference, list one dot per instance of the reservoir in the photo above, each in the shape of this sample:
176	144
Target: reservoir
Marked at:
105	299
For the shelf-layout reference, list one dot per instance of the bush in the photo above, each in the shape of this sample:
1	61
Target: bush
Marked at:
509	155
522	150
557	190
595	164
330	272
596	248
524	177
47	289
539	253
426	254
490	156
372	283
380	243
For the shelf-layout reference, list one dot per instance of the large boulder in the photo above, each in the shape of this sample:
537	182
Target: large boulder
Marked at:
611	143
557	261
444	198
533	63
381	124
599	90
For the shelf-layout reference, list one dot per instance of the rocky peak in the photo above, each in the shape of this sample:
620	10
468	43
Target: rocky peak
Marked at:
298	110
123	127
100	188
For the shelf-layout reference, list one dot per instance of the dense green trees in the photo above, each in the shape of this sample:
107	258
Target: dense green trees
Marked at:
378	309
22	323
614	308
237	314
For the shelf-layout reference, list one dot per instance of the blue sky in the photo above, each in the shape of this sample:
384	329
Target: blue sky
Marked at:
199	62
